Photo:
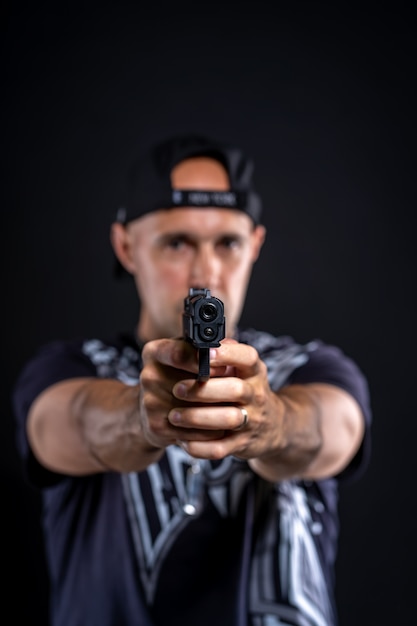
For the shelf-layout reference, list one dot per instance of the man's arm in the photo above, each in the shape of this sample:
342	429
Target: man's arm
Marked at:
84	425
308	430
87	425
321	430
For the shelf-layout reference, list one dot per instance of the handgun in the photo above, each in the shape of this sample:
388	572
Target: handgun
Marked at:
204	325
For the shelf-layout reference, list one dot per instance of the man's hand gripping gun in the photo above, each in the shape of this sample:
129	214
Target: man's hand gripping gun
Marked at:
203	325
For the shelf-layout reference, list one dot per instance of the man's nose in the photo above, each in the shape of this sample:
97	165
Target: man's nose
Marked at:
206	269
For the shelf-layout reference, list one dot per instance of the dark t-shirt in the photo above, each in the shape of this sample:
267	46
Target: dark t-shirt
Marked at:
188	541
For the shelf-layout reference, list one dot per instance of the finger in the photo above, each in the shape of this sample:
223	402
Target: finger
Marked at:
223	390
245	359
215	450
187	435
175	353
209	417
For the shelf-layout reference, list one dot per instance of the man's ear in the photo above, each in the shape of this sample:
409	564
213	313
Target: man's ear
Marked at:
259	235
121	244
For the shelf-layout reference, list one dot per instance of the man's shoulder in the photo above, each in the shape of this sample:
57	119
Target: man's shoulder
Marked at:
62	358
266	342
118	356
117	343
91	345
290	361
264	339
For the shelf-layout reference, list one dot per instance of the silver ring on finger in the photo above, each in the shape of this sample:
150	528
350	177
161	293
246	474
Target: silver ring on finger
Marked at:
245	419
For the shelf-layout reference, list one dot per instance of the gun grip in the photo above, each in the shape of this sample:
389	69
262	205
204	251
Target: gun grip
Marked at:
203	364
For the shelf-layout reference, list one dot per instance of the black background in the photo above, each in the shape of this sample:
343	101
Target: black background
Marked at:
322	97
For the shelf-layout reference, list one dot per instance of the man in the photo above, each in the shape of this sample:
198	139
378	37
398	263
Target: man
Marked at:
170	500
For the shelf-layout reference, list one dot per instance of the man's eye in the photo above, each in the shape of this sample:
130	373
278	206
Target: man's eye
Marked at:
229	243
176	244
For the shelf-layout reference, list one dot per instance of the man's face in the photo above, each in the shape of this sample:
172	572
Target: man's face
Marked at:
169	251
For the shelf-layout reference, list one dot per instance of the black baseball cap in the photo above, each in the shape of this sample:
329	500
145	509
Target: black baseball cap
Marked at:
149	182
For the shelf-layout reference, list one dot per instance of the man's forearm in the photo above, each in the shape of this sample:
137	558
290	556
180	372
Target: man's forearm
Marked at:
85	426
322	427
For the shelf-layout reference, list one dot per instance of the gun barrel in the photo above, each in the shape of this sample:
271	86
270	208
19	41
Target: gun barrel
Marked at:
204	325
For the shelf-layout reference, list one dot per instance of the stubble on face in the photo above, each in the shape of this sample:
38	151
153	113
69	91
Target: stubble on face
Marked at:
164	274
